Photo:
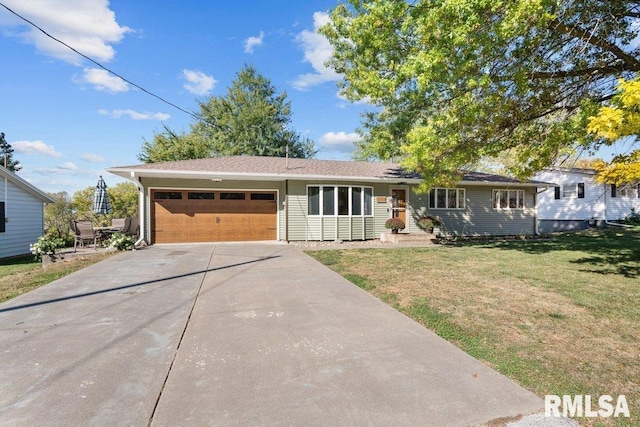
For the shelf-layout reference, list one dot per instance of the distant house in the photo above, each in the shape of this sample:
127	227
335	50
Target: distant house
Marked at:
246	198
579	200
21	214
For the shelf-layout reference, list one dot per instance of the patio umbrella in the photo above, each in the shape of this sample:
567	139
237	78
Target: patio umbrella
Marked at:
101	205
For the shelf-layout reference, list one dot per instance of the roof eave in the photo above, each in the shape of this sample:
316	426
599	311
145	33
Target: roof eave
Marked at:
26	185
507	184
159	173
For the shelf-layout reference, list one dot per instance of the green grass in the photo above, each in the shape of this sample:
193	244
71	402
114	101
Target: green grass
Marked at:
21	275
558	316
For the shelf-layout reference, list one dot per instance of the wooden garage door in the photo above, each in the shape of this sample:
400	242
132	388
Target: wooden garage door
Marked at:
181	216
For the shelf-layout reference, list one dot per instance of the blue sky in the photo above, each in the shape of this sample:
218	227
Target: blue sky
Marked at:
68	120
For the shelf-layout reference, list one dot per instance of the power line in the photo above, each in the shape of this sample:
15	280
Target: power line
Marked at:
194	115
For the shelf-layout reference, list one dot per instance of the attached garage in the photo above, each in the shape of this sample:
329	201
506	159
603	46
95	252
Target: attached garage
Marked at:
185	216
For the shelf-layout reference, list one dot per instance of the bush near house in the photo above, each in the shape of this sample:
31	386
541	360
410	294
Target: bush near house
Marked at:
394	224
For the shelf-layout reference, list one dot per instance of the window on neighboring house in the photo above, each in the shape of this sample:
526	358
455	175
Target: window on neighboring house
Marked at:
508	199
329	200
556	193
447	198
625	192
570	190
613	190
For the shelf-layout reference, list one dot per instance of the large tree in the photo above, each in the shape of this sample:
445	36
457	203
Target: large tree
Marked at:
6	155
620	119
252	118
460	80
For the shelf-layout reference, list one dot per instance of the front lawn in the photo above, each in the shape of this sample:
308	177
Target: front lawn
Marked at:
559	317
20	275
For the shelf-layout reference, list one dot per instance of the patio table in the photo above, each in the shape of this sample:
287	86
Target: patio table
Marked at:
105	233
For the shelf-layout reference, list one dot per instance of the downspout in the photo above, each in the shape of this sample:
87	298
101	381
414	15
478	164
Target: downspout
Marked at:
606	220
286	210
141	210
605	203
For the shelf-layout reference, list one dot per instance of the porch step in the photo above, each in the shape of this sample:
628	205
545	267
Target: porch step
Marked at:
420	238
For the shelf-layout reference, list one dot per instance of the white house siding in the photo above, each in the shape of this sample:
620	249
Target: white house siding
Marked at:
26	224
478	217
570	213
571	208
620	206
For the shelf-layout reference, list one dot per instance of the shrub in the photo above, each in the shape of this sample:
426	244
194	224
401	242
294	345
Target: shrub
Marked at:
394	224
46	245
633	219
122	242
428	222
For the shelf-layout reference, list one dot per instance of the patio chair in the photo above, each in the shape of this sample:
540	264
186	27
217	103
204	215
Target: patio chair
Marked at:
121	225
83	231
134	227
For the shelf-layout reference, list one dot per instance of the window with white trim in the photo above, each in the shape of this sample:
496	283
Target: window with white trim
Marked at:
630	191
447	198
341	200
508	199
570	190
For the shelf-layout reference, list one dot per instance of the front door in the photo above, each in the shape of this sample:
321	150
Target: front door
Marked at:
399	200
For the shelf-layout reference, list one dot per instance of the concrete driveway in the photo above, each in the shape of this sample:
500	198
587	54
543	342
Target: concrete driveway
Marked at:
232	334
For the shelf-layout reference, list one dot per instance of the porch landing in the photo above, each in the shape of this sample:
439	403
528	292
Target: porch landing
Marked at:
420	238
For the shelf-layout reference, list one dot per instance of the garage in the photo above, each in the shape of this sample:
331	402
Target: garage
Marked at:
187	216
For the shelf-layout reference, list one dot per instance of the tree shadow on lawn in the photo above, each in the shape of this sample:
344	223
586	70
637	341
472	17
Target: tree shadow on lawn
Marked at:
606	251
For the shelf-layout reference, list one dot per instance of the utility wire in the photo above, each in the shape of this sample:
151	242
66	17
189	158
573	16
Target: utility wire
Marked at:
192	114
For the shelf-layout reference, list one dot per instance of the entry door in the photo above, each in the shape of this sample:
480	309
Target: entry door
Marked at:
399	200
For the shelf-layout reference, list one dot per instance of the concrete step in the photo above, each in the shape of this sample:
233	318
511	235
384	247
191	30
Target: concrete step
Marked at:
409	238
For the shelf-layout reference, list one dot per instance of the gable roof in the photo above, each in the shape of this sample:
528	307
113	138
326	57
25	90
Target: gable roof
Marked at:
25	185
280	168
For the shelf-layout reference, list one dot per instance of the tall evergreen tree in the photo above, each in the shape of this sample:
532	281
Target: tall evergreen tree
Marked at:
252	118
6	155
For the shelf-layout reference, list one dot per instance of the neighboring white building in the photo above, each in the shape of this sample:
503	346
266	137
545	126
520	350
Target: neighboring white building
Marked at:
579	200
21	214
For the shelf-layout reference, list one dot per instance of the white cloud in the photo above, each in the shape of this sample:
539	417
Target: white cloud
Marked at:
198	82
103	81
366	100
339	141
252	42
317	51
88	26
134	115
92	158
68	166
35	147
